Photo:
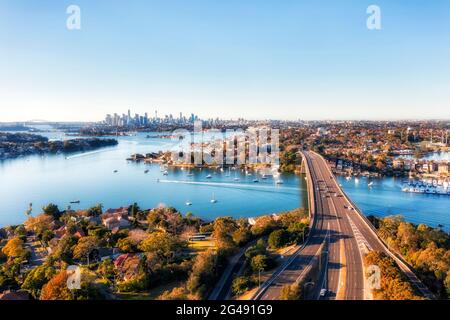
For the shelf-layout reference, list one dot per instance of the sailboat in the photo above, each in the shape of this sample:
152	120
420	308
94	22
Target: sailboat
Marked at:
188	203
264	176
229	173
235	176
190	174
208	176
370	184
213	200
255	180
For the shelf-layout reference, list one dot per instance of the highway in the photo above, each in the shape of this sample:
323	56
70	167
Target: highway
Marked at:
351	236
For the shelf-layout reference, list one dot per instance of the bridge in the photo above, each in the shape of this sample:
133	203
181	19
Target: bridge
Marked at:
349	235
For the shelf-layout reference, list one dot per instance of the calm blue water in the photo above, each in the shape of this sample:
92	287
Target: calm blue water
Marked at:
89	178
385	198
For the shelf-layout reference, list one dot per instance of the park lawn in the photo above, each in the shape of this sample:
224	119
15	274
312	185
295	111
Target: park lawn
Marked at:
152	294
202	245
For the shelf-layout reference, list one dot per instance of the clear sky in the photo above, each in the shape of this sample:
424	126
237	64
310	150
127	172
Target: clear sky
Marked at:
258	59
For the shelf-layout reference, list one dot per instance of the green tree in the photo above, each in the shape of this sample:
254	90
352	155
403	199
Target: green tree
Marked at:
204	274
37	278
278	238
259	262
95	211
163	244
52	210
240	285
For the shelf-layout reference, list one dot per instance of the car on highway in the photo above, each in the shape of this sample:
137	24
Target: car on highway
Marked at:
323	292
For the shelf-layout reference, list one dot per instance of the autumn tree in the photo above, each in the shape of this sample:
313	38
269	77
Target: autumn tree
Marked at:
14	248
39	224
56	288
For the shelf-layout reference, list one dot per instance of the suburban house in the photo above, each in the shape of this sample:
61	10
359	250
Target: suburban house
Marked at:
116	218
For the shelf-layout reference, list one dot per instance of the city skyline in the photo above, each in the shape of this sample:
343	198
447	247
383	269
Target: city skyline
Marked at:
296	60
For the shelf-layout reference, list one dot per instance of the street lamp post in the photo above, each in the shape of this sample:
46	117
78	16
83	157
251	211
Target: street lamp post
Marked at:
259	276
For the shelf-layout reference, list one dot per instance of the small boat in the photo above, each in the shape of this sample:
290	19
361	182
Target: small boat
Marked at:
279	182
370	184
165	173
190	174
208	176
146	171
157	179
255	180
75	202
348	178
236	179
188	203
115	171
356	180
264	176
213	200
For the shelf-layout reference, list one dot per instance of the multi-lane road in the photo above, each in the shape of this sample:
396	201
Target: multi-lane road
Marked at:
350	236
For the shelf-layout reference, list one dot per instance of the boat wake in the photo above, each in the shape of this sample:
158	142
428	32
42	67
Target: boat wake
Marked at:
244	186
85	154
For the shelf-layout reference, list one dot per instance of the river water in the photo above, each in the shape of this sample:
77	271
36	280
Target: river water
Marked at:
90	178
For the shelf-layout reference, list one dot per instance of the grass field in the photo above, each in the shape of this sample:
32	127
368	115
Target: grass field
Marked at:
202	245
151	294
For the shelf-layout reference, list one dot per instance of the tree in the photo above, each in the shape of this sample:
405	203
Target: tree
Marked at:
178	293
240	285
52	210
14	248
241	236
259	262
264	225
39	224
164	245
278	238
126	245
204	273
85	247
95	211
223	232
64	249
37	278
291	292
56	288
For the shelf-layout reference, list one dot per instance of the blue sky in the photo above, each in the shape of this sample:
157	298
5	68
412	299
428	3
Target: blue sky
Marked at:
258	59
